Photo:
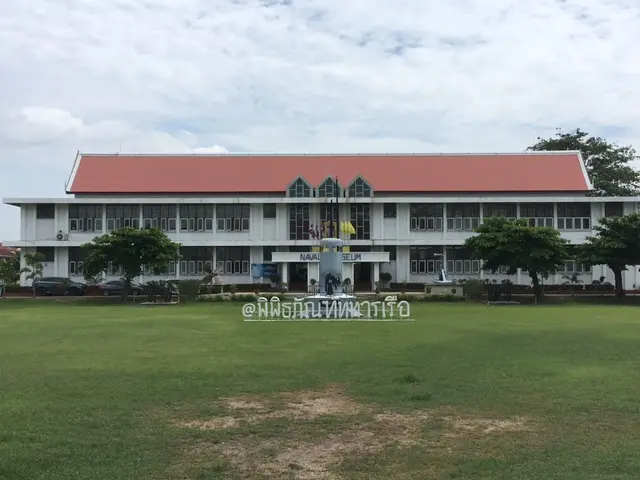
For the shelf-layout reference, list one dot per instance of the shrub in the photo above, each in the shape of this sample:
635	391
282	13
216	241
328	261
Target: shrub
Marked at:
443	298
239	287
233	297
475	289
407	287
189	289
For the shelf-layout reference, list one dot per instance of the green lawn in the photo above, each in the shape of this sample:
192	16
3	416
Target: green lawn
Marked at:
193	392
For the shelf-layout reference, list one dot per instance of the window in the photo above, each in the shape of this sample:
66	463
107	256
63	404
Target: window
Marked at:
425	216
233	260
574	216
112	270
162	216
196	218
299	189
425	260
459	261
572	267
329	188
327	212
613	209
389	210
267	253
76	260
45	211
269	210
125	215
168	270
506	210
233	218
392	251
85	217
538	214
49	254
361	220
299	221
195	261
502	270
463	216
359	189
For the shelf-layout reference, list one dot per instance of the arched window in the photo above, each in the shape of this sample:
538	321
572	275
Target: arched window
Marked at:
359	189
299	189
329	188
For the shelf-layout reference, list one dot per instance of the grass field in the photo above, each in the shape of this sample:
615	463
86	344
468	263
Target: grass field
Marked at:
193	392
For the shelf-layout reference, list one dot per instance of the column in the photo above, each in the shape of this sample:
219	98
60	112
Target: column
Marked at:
284	272
23	264
376	274
444	223
103	274
178	267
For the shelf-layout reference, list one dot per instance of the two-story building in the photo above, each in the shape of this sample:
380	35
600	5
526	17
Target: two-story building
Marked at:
410	213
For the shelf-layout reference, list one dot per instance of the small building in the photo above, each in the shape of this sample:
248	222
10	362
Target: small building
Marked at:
7	252
250	216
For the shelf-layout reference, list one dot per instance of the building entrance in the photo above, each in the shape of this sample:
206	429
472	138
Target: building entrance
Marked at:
362	277
298	276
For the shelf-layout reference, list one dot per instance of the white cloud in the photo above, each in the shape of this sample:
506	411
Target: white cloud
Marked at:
305	75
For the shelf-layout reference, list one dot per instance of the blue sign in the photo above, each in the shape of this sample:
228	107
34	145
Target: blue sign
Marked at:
264	270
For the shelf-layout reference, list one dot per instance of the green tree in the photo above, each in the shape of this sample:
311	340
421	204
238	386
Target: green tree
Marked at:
607	164
131	249
616	245
514	244
33	267
10	269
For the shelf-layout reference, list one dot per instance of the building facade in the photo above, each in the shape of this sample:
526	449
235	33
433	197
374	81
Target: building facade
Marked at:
239	214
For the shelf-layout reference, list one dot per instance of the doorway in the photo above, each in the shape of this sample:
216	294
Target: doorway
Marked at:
362	277
298	276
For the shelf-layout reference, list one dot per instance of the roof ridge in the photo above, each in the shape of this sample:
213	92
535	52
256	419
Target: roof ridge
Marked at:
336	154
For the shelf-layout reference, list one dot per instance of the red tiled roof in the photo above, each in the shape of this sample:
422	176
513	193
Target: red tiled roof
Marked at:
6	251
231	173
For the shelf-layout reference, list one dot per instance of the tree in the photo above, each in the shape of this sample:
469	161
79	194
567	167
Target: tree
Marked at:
130	249
33	268
10	270
514	244
616	245
607	164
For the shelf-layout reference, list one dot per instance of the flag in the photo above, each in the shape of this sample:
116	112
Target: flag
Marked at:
318	232
311	231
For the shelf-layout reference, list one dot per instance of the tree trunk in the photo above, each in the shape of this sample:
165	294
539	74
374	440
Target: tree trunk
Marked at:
617	274
537	289
125	289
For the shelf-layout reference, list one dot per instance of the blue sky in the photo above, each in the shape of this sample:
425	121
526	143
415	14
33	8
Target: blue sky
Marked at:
304	76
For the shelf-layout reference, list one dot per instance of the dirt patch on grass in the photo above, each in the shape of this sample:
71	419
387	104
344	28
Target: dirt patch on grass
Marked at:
463	426
308	454
307	405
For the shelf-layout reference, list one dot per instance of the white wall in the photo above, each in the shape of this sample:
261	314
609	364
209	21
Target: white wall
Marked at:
42	232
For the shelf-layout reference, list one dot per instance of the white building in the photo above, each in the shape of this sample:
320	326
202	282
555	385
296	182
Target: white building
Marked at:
410	212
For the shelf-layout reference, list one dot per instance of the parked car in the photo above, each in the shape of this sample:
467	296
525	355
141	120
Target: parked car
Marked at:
58	286
115	287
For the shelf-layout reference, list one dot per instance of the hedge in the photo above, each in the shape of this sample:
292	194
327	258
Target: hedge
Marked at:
251	297
238	287
419	287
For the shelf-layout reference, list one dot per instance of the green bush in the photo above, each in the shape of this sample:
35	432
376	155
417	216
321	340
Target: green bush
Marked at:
234	297
189	289
442	298
239	287
475	289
